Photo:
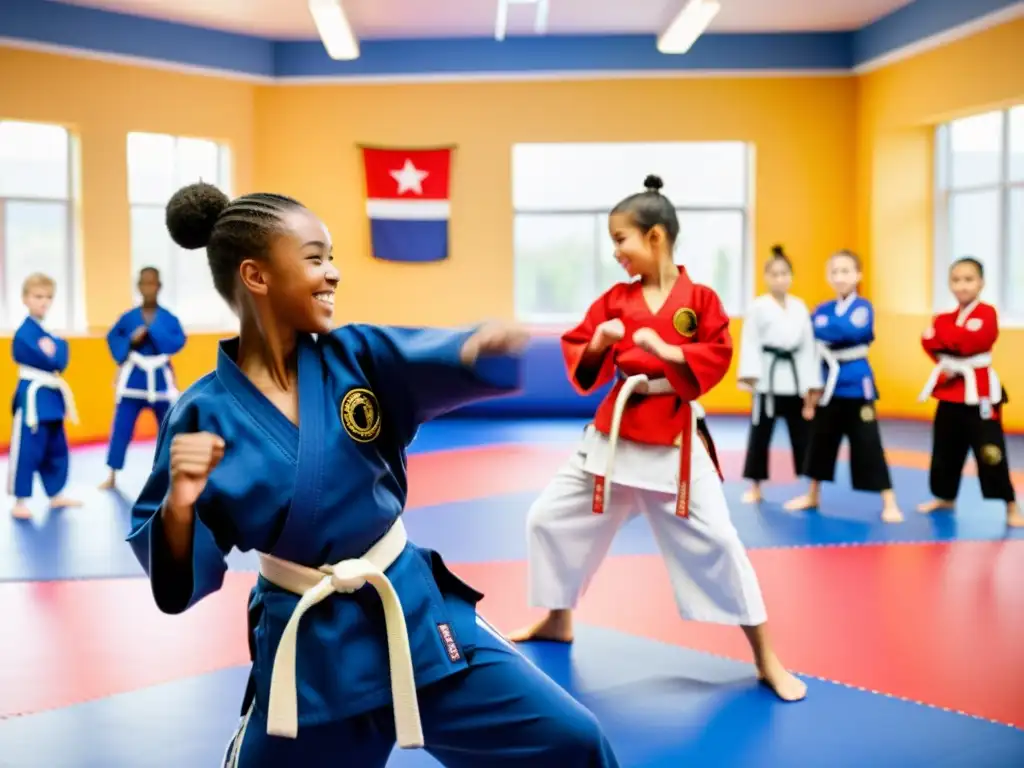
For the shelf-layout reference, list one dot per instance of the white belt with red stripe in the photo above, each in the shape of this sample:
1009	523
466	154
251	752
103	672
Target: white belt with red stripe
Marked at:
966	367
642	385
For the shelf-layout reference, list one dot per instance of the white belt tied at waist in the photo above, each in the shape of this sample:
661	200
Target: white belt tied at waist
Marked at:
316	585
38	379
150	364
965	367
833	358
639	384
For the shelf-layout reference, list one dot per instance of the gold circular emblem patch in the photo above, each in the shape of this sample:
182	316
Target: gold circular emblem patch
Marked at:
867	413
685	322
360	415
991	455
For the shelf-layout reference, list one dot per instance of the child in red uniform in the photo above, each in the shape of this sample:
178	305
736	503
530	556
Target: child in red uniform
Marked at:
665	342
970	395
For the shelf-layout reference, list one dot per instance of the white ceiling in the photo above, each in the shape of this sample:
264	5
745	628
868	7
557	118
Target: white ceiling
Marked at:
289	19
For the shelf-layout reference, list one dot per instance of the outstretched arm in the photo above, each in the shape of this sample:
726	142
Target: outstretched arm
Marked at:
422	373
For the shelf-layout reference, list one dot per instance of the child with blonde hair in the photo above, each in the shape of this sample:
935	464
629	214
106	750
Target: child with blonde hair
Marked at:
41	402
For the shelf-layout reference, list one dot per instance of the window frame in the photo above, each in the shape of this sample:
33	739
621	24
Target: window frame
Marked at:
225	166
556	321
75	300
997	292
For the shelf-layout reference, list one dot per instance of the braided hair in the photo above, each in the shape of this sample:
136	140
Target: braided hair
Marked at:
200	215
650	208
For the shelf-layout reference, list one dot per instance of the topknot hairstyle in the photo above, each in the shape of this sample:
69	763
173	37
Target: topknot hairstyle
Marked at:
200	215
779	254
650	208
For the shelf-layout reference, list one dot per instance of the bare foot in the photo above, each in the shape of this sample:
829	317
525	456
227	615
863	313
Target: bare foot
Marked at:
60	502
109	484
1014	518
891	514
784	683
20	511
807	501
555	627
753	495
935	505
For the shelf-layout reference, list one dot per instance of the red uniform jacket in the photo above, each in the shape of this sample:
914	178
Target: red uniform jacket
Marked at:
964	333
692	317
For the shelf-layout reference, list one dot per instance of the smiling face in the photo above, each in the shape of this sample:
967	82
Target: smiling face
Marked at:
299	278
966	282
636	251
843	274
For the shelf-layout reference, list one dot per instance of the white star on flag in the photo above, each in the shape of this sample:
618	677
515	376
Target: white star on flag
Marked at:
409	178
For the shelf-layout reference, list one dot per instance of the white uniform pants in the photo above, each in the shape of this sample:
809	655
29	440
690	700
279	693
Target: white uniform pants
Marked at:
712	577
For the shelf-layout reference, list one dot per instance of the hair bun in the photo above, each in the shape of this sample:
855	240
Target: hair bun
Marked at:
653	183
778	250
192	213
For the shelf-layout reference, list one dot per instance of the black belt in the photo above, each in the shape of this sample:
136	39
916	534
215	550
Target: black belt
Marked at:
778	355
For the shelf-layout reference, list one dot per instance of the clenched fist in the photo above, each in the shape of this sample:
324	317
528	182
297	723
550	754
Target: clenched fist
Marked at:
607	333
494	339
193	458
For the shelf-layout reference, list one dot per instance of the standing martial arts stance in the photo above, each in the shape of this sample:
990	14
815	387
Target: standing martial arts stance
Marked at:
294	446
845	328
42	400
665	341
779	364
142	342
969	416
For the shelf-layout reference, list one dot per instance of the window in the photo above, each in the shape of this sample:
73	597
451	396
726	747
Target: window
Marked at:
37	210
979	205
562	194
158	165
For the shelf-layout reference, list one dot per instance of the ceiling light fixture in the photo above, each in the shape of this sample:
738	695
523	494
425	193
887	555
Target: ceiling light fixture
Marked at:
335	31
540	20
689	25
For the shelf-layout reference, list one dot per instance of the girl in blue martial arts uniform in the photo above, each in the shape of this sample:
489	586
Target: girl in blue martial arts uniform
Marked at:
845	405
142	342
294	446
41	402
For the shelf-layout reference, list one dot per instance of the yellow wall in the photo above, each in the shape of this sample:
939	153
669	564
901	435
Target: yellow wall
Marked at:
838	161
101	103
804	168
898	107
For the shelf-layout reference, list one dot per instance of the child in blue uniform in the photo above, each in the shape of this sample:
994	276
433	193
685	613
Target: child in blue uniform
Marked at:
294	446
41	401
142	342
844	329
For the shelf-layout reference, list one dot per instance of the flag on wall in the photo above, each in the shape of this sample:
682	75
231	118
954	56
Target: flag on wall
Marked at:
407	202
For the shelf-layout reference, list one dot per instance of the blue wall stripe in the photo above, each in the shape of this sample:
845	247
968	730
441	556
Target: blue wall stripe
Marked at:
47	22
917	21
105	32
568	54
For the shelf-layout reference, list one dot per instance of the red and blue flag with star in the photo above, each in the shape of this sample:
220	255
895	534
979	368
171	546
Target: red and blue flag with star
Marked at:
407	203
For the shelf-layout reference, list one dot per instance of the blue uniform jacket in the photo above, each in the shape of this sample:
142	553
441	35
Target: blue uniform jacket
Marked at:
165	337
842	324
317	494
25	350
